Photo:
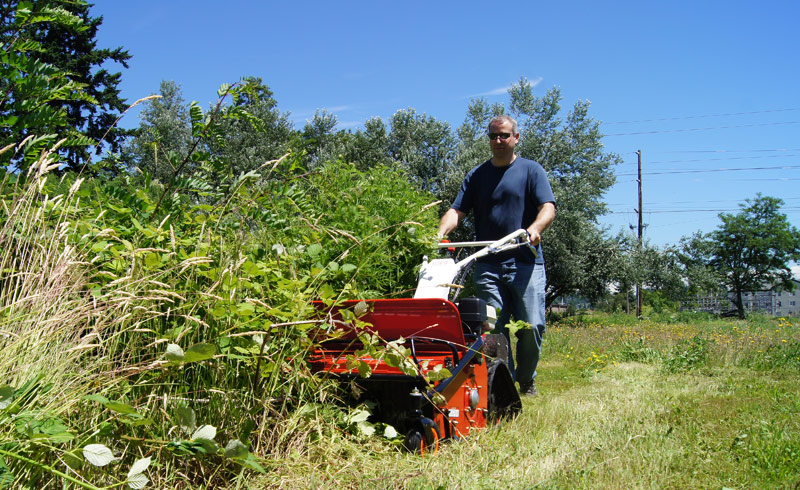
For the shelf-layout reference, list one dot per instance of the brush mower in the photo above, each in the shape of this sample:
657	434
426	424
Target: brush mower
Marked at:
441	375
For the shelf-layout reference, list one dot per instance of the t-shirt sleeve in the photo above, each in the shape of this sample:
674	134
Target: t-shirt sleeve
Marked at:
464	199
542	190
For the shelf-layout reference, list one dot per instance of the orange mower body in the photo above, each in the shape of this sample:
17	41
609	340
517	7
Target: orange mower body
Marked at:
439	335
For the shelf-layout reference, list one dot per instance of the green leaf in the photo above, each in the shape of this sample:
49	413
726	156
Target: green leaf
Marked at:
175	353
6	477
120	407
314	249
394	359
363	369
152	259
236	450
252	462
200	352
326	292
208	432
137	481
6	396
71	458
245	310
438	373
97	398
139	466
208	446
220	309
98	454
186	418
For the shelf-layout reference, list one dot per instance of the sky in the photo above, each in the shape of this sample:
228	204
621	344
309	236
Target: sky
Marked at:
708	91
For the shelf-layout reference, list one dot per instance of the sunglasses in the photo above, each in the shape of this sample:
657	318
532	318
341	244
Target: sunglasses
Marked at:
502	136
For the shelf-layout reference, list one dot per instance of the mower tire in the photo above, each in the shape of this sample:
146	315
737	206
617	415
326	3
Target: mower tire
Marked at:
504	401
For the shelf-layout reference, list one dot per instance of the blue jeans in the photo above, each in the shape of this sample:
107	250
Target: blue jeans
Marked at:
517	290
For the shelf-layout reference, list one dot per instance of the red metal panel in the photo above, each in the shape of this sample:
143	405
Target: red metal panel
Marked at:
406	317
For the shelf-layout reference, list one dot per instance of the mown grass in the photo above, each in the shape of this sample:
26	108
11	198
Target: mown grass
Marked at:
625	403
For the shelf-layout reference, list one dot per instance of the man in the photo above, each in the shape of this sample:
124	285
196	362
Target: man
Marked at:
507	193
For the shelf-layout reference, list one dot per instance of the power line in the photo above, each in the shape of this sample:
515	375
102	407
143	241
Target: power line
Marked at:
760	180
666	211
663	131
727	151
697	202
698	171
695	160
703	116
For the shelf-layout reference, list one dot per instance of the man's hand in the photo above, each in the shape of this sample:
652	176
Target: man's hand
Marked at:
534	237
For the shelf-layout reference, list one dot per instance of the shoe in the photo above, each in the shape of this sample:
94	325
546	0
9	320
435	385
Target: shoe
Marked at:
528	388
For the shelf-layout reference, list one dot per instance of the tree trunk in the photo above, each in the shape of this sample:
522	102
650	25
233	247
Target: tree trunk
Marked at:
740	304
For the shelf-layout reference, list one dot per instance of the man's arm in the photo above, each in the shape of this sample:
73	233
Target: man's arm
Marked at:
547	212
449	221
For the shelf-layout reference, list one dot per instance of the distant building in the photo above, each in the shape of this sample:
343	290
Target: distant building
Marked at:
788	303
776	303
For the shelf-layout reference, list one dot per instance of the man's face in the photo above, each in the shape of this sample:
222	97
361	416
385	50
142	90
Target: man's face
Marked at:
502	139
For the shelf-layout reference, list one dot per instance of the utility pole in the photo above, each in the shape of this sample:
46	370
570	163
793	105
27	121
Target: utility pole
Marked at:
638	285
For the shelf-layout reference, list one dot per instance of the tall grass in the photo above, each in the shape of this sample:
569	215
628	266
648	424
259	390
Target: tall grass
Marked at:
131	331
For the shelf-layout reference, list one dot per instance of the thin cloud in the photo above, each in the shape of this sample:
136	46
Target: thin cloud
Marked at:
338	108
504	90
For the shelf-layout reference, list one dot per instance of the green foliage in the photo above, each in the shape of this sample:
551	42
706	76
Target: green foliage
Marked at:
52	83
687	355
638	351
377	231
779	355
751	250
252	131
423	146
182	301
163	136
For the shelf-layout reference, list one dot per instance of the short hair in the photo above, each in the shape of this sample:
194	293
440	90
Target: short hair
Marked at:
504	118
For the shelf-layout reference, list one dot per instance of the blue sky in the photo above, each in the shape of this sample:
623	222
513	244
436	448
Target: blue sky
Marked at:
709	91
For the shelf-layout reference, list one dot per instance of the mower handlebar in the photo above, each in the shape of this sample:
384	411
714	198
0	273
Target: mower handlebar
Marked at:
519	238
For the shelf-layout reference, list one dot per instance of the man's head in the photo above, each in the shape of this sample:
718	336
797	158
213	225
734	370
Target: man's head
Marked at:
503	137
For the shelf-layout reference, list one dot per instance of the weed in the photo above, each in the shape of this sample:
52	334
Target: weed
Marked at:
687	355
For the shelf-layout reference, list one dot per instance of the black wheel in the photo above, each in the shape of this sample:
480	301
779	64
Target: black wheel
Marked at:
504	401
416	441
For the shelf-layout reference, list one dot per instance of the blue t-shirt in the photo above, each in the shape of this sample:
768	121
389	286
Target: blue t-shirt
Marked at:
503	200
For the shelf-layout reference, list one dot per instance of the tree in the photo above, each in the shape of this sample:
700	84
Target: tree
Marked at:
254	131
370	147
694	253
752	249
55	40
163	137
32	92
423	146
320	141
